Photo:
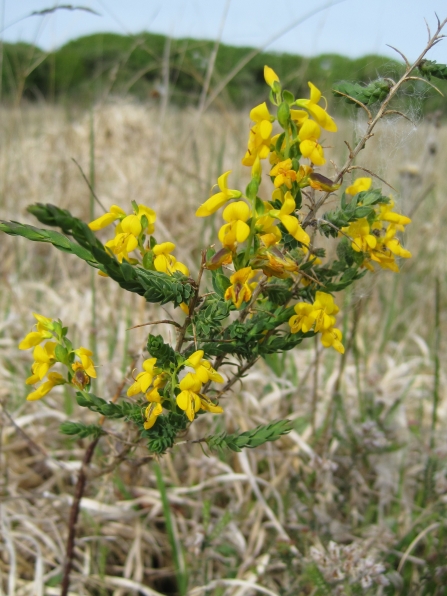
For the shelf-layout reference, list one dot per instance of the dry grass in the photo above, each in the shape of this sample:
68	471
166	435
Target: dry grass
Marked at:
358	470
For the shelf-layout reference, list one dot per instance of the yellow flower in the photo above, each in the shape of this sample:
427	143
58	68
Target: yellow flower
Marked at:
323	311
152	412
216	201
299	116
386	213
53	380
283	173
107	219
151	217
309	134
43	360
154	396
209	406
331	338
166	262
362	239
301	321
143	379
86	358
80	378
290	222
126	237
203	369
240	291
272	262
360	185
270	76
260	135
34	338
320	115
393	244
236	230
188	399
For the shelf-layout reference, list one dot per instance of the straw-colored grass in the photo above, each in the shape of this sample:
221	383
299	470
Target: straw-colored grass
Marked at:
358	470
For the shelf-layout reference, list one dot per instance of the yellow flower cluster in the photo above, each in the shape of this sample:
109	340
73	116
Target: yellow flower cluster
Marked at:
189	399
45	357
130	233
318	317
377	239
245	218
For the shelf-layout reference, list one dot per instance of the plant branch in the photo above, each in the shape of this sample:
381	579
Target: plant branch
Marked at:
372	124
79	491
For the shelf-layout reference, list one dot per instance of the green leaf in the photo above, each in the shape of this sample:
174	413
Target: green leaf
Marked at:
429	68
61	354
288	97
220	284
81	430
372	93
251	438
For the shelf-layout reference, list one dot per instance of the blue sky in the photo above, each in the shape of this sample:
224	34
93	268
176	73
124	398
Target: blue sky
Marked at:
350	27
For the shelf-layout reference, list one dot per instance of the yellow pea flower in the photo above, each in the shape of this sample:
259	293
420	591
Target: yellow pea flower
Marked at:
290	222
311	105
151	217
301	321
188	399
386	213
259	140
283	173
236	230
209	406
360	232
126	237
240	290
143	379
53	380
34	338
323	311
87	362
154	396
299	116
107	219
152	412
166	262
202	368
272	262
216	201
80	378
331	338
43	360
393	244
360	185
309	134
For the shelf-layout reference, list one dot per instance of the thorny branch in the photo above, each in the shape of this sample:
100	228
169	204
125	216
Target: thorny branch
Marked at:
433	40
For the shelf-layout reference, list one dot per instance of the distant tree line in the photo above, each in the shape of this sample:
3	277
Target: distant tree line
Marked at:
148	66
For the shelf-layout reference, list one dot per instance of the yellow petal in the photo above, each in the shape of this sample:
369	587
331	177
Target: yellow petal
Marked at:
237	210
212	204
164	248
102	222
309	130
260	113
131	225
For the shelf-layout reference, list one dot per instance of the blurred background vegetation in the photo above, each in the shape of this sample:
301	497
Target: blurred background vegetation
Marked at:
91	67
